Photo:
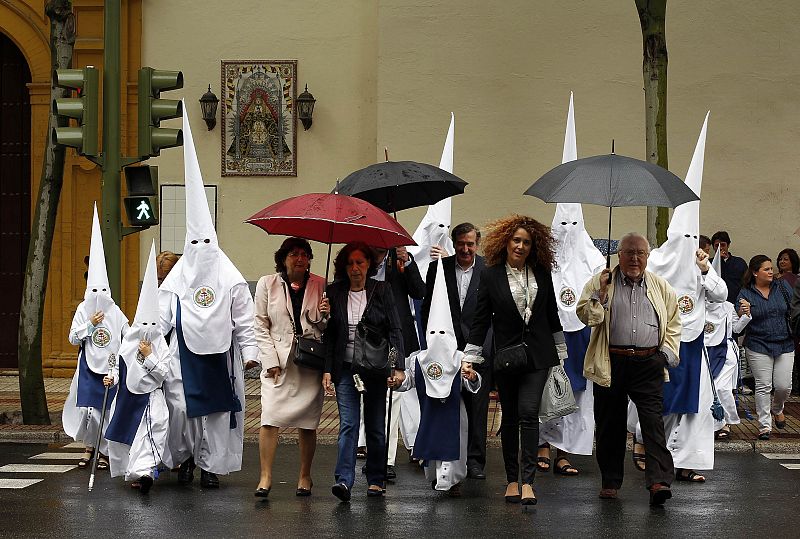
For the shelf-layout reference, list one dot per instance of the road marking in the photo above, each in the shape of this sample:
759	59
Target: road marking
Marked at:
58	456
791	466
18	483
74	445
36	468
782	456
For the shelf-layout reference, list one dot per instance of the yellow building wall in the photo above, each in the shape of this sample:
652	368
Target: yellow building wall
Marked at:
388	73
26	24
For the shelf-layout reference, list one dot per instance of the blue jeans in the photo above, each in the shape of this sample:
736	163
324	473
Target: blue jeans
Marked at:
348	400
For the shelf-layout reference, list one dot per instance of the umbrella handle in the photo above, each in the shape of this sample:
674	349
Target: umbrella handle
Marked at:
608	245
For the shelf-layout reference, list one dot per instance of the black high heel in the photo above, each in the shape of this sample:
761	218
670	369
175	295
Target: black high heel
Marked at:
529	500
513	498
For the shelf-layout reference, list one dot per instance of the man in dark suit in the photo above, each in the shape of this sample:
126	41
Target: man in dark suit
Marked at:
462	273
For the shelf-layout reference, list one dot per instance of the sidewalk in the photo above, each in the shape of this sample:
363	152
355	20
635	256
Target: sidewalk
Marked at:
743	436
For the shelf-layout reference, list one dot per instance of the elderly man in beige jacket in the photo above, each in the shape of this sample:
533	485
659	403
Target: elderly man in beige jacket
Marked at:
636	330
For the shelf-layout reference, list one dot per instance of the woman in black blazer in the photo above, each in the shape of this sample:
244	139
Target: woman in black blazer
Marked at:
516	298
354	296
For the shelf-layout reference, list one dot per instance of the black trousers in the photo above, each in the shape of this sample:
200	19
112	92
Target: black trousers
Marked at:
477	405
641	379
520	396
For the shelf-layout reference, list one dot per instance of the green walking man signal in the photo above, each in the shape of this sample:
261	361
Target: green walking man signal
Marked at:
141	204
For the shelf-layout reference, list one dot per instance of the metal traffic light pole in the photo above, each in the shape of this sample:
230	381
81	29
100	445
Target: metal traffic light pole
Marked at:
112	160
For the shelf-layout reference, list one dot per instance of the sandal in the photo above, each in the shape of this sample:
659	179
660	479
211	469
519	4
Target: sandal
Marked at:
723	434
86	458
102	462
639	461
689	476
543	464
565	469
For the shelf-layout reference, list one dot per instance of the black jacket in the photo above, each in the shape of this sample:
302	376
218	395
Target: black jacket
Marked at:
380	312
496	308
404	285
462	316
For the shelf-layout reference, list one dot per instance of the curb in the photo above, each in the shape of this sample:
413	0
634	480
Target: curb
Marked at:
57	435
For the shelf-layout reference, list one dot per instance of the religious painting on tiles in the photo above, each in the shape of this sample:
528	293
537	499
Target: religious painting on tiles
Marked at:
259	118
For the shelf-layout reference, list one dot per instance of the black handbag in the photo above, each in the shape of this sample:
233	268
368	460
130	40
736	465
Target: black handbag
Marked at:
309	353
371	347
511	359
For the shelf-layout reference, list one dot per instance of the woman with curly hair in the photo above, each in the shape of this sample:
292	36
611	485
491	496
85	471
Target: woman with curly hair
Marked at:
516	298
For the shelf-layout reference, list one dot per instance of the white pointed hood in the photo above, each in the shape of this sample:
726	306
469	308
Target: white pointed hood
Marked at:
441	361
105	338
576	255
145	327
434	229
203	277
145	323
674	260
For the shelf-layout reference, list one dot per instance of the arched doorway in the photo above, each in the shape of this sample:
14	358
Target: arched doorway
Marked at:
15	192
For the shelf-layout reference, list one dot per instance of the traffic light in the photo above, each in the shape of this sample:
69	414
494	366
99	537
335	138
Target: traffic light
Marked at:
82	108
153	109
141	204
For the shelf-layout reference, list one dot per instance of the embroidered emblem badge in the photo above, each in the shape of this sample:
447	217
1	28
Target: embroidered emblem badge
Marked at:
685	304
567	297
204	296
709	328
434	371
101	337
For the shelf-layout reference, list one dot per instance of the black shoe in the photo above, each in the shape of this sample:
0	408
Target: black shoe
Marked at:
341	491
364	469
262	492
375	493
186	471
659	494
390	473
208	479
475	471
145	482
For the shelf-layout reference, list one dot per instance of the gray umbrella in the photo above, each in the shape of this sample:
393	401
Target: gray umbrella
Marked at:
612	181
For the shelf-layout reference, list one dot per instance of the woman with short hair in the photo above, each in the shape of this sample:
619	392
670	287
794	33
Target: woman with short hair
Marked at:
355	297
289	304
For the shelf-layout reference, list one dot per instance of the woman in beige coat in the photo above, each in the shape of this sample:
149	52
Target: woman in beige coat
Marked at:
289	303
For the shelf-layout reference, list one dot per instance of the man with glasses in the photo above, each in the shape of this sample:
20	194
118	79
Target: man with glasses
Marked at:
636	329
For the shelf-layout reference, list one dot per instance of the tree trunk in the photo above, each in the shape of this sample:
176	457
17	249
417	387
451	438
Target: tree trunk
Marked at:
31	382
652	15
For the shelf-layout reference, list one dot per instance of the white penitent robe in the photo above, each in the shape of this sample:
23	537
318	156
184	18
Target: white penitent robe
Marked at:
82	423
149	446
215	446
445	474
721	322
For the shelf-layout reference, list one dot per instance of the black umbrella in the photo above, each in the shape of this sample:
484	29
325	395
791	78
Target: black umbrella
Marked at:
399	185
612	181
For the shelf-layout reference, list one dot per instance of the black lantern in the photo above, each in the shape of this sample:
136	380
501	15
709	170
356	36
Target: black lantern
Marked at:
305	108
208	104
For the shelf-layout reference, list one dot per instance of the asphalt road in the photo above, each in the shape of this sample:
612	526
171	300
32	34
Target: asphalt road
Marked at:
746	495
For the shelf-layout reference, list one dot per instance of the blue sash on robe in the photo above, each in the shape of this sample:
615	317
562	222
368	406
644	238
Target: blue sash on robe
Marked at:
716	357
204	376
128	411
90	386
577	343
682	392
439	434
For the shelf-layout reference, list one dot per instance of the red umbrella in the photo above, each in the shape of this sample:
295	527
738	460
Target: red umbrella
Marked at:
332	218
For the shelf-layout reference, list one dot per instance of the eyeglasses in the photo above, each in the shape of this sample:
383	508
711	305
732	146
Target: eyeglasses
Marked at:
638	253
298	253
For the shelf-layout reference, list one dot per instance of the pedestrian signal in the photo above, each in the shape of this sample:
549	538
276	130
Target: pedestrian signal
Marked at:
141	204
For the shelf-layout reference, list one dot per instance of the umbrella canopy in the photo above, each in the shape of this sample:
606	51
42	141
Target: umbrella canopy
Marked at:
399	185
332	218
612	181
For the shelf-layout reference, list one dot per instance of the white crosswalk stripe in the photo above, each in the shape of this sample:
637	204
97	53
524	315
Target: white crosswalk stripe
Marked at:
791	466
74	445
36	468
782	456
18	483
57	456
